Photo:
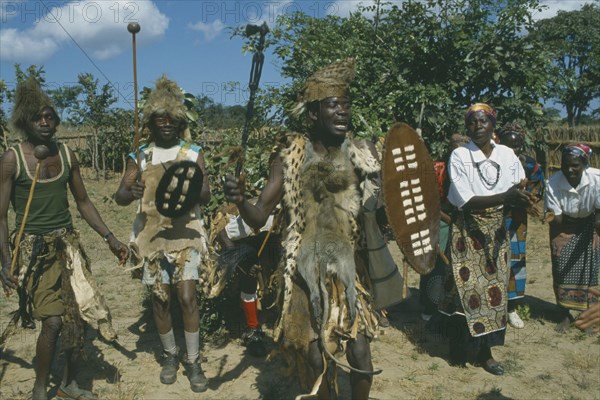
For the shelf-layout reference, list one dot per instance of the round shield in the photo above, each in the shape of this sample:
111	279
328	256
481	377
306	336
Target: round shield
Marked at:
179	189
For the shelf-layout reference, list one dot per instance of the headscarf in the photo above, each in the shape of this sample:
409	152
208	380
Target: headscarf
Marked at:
486	108
578	150
332	80
512	127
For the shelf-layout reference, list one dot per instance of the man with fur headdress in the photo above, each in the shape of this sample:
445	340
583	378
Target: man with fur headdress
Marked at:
54	280
317	177
173	249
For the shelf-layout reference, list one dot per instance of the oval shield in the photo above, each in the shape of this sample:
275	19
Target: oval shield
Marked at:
178	190
411	197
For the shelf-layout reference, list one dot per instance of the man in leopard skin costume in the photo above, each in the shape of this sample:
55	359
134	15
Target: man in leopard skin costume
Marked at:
318	177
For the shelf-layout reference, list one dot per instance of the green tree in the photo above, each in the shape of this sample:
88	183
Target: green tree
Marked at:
118	137
92	112
573	38
65	98
441	55
20	75
218	116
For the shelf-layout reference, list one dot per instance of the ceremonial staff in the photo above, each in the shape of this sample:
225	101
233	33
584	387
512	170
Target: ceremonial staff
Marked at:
258	60
229	259
40	152
133	28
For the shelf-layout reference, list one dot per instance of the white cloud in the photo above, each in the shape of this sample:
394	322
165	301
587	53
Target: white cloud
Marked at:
16	46
9	9
99	27
553	6
210	30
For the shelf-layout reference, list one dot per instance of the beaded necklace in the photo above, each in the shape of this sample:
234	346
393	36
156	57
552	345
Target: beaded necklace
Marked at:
484	179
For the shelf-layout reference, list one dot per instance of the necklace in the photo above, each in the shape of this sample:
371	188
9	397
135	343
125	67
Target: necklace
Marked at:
484	179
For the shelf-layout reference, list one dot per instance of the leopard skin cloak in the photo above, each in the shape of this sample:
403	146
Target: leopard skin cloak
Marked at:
293	158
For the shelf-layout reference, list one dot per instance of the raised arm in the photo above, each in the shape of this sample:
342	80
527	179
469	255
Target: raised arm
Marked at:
256	215
89	213
8	167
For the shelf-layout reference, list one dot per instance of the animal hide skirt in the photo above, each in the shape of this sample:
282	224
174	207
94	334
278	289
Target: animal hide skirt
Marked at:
55	279
299	326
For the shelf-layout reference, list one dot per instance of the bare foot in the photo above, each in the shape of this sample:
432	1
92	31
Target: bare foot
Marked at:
564	325
39	393
493	367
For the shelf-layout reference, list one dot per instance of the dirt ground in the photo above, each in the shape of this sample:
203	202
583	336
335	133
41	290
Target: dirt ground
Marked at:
539	363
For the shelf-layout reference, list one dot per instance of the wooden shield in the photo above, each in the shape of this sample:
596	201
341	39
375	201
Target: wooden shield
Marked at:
411	196
178	190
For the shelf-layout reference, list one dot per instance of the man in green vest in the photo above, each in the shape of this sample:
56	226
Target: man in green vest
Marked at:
53	276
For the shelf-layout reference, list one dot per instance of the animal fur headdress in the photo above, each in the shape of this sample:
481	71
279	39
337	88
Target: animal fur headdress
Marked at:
332	80
166	99
30	99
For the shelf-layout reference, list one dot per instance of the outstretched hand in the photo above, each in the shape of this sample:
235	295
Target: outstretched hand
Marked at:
9	282
518	197
235	188
118	249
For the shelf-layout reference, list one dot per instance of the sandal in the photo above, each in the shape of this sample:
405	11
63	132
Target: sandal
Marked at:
73	391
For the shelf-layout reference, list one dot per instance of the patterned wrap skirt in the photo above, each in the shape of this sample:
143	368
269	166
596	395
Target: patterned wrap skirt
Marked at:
575	249
477	277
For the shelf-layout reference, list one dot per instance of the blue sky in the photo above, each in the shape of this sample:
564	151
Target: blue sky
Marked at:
187	40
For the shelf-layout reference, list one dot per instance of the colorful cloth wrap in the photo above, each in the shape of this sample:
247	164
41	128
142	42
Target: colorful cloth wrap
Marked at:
478	273
516	224
580	150
486	108
575	250
55	280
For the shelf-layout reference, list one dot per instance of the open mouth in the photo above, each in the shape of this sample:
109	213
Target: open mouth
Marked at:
341	125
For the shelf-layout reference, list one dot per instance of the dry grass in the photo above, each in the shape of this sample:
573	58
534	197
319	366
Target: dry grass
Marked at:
556	138
588	134
588	361
581	367
432	392
513	365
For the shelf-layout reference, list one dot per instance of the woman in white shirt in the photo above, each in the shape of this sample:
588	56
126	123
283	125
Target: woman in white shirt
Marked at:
484	177
573	197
